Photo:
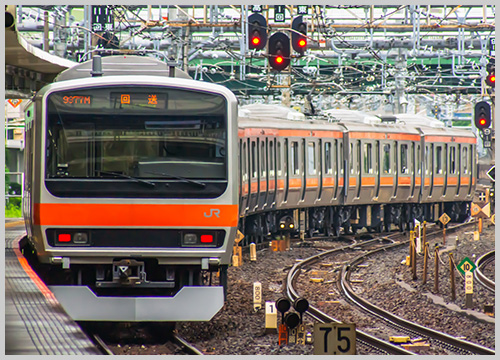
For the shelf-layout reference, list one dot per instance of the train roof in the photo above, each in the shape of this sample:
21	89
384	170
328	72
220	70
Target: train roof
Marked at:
413	120
122	65
267	112
345	115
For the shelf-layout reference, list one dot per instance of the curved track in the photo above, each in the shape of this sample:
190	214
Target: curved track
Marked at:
444	340
378	345
481	263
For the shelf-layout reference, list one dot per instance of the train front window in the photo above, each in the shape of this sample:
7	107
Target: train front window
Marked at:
129	135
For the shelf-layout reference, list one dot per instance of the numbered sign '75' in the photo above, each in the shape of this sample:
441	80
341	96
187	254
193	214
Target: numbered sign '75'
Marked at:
334	339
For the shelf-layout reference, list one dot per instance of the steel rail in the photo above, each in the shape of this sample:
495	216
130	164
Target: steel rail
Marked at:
447	340
186	346
481	263
315	313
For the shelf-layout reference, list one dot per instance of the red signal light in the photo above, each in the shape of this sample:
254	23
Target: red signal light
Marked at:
256	40
279	59
490	78
303	43
482	121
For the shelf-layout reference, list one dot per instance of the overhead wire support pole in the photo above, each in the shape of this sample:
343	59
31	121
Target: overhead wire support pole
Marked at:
243	41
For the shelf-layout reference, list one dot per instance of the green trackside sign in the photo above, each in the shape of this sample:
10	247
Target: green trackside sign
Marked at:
466	265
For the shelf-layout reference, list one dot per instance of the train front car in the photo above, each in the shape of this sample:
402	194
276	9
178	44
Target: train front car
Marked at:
132	207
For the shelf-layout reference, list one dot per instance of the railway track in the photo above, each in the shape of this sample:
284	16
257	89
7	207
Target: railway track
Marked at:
446	341
481	263
365	339
164	339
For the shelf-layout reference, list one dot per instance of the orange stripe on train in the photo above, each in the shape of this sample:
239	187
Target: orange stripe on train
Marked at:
135	215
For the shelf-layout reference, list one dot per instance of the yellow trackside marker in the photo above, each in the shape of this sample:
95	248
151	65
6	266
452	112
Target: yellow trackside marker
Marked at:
253	252
271	317
493	219
476	235
239	237
475	209
487	210
257	296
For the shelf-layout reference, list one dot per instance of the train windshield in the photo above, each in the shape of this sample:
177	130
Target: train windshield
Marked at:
137	136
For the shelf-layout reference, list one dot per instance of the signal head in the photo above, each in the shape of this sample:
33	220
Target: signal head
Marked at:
257	32
279	51
482	115
299	40
490	78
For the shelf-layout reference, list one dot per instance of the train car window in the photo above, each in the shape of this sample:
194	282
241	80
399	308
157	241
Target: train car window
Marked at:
328	158
311	158
368	162
278	156
295	158
439	160
465	160
254	151
387	158
271	158
263	161
404	159
453	159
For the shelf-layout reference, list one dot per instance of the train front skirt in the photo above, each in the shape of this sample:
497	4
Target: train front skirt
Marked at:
191	303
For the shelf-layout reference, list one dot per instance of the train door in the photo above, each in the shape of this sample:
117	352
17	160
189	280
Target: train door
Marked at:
242	176
252	197
416	168
320	171
367	185
302	169
377	169
394	166
328	186
286	169
439	170
459	168
335	168
312	172
404	177
263	173
280	172
358	171
446	168
472	170
271	193
431	169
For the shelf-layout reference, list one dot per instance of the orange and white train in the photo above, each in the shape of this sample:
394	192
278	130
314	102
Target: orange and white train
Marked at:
131	202
137	179
349	171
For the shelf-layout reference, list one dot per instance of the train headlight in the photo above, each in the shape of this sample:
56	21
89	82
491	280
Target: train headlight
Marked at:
80	238
282	225
291	226
189	239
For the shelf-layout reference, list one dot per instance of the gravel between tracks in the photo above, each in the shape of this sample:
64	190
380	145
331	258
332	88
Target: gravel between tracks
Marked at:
238	330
